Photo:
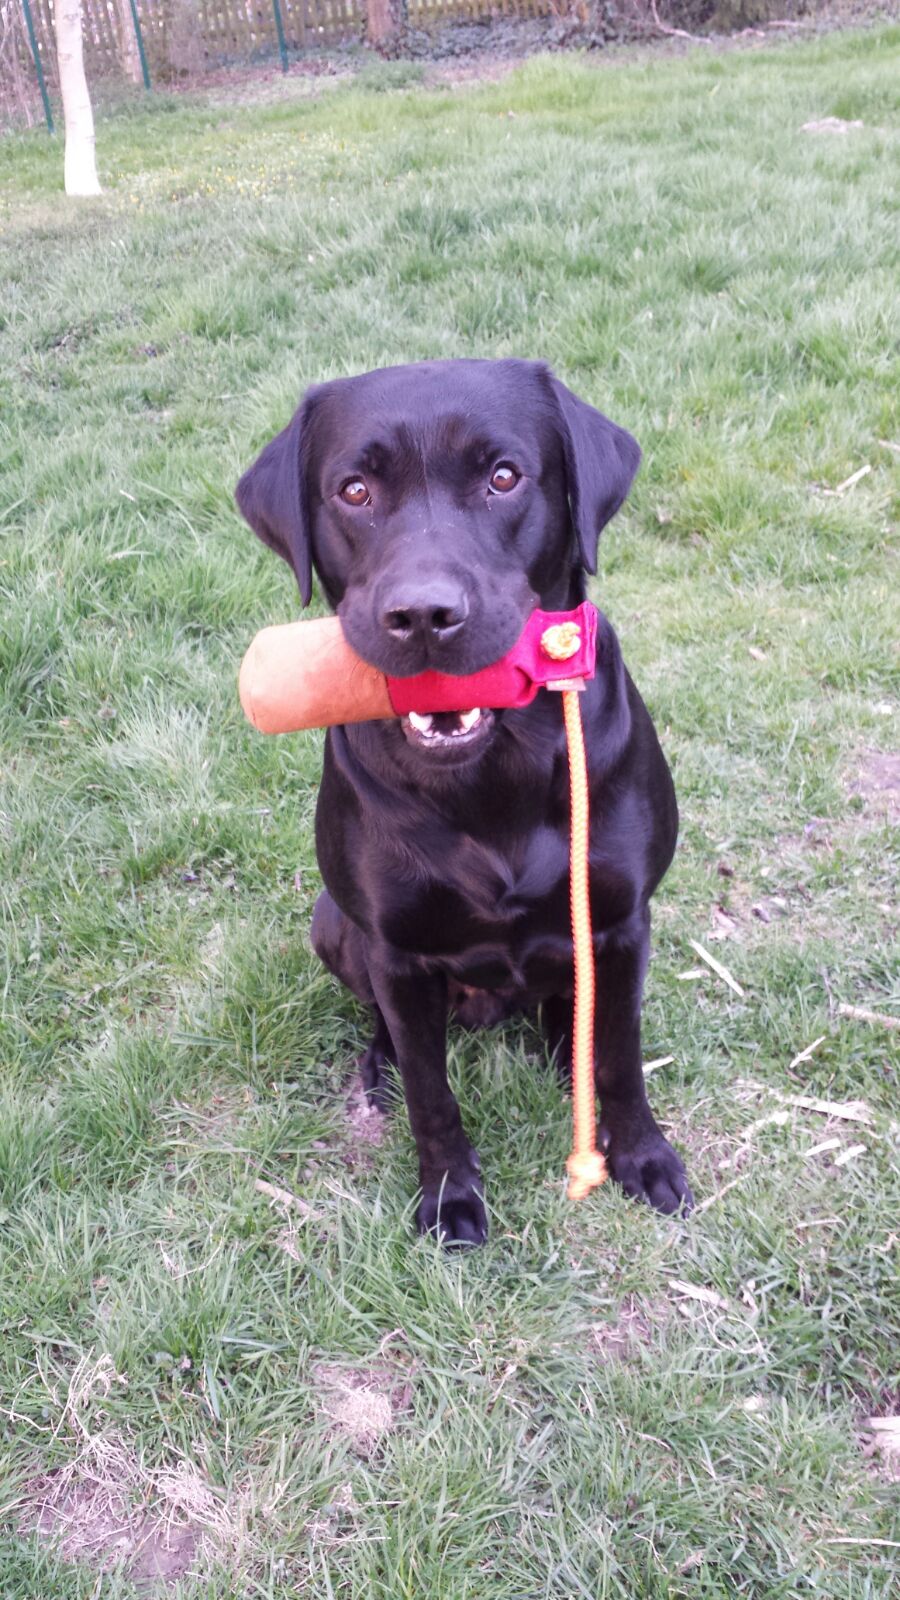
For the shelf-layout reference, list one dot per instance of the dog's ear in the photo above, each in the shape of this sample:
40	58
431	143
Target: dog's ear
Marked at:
601	462
272	497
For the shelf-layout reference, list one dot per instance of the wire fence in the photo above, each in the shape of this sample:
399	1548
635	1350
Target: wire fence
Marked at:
156	41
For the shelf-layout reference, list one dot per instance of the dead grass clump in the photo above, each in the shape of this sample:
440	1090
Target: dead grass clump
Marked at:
107	1509
93	1520
361	1404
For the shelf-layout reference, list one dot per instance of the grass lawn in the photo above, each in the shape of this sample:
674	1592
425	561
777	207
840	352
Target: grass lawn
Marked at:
277	1399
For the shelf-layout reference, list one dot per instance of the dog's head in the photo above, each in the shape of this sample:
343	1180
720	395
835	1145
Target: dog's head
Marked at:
439	504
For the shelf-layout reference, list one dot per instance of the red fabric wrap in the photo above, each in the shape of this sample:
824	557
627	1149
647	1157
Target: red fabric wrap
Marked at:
514	680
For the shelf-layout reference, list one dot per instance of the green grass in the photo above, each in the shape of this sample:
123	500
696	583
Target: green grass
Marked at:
725	286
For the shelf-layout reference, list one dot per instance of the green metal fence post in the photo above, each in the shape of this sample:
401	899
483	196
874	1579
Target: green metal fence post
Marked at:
282	45
140	43
32	39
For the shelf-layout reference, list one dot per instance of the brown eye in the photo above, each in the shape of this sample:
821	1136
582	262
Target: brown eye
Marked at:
355	492
503	479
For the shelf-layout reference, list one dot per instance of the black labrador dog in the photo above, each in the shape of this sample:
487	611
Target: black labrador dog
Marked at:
440	504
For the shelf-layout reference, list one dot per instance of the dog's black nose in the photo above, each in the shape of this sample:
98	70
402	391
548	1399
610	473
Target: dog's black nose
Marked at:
437	613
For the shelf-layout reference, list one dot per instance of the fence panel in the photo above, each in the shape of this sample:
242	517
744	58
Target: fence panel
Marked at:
182	38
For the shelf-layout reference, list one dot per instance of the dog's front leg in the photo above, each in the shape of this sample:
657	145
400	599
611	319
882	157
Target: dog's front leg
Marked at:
639	1156
415	1010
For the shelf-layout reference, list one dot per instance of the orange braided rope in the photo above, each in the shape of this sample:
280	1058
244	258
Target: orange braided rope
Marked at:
585	1166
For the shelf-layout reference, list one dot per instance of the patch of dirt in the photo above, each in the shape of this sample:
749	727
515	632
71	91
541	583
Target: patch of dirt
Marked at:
875	780
743	914
366	1127
466	52
212	949
790	895
105	1508
361	1404
634	1325
97	1525
229	87
478	69
880	1440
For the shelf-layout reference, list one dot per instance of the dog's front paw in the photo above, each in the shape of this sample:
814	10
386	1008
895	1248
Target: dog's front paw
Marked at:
452	1204
646	1166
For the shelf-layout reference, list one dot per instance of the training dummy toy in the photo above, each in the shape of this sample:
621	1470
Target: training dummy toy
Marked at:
306	675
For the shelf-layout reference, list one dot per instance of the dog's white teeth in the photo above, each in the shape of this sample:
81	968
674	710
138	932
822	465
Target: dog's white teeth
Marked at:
440	728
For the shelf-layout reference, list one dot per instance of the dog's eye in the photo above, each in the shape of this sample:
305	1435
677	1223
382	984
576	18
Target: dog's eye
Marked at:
355	492
503	478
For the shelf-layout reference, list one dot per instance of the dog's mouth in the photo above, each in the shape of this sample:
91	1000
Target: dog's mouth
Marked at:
447	732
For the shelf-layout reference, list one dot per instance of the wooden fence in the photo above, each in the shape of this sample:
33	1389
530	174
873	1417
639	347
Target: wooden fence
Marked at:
185	37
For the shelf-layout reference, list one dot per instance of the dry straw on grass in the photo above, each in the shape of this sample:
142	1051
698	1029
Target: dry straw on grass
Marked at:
105	1507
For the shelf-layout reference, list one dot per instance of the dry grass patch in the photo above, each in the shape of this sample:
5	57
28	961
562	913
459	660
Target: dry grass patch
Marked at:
91	1511
107	1509
361	1404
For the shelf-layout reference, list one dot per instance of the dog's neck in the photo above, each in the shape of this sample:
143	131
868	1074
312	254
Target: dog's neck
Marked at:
566	593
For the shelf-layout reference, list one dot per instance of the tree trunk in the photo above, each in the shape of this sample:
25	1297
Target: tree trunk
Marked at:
128	45
80	164
385	22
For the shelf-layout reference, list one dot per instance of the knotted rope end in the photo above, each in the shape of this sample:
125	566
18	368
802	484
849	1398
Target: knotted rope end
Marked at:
587	1170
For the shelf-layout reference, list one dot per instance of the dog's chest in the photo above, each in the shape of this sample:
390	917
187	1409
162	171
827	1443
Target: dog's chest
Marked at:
490	918
502	920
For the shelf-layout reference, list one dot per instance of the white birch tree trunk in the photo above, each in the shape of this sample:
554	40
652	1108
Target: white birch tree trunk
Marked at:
80	164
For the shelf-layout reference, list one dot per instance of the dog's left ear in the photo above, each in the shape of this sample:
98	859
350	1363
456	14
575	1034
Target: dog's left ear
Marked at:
601	462
272	497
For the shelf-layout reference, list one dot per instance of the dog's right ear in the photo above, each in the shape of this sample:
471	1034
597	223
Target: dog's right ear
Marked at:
272	497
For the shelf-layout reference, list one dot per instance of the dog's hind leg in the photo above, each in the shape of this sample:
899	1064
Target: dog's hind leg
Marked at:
374	1067
556	1026
341	946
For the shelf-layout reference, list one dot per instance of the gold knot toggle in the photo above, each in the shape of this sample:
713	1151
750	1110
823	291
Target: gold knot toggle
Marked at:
562	641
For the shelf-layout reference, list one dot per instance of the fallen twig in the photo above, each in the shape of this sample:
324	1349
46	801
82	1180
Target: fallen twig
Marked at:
820	1149
886	1544
863	1014
693	1291
850	1154
661	1061
777	1119
717	967
711	1199
848	483
283	1197
849	1111
805	1054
